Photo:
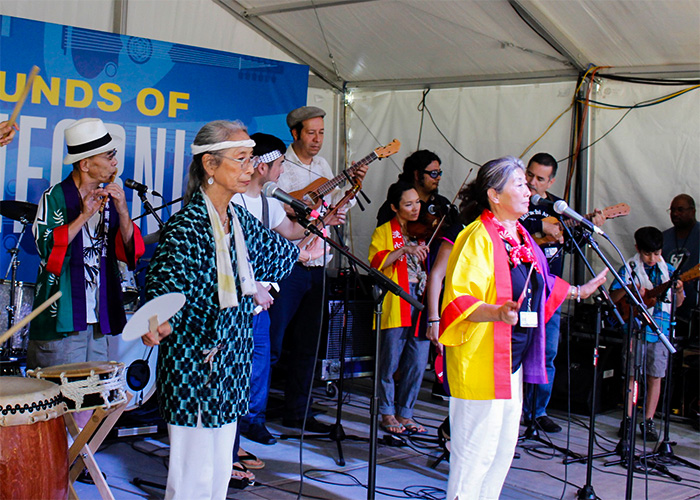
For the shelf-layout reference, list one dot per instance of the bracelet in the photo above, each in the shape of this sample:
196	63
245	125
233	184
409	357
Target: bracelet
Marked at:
578	290
431	321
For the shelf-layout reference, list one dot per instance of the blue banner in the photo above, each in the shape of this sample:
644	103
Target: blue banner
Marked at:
153	96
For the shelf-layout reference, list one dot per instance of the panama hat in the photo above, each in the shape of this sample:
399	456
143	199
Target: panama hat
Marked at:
85	138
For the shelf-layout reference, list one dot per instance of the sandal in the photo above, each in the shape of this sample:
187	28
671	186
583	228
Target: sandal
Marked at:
241	473
393	426
249	460
412	427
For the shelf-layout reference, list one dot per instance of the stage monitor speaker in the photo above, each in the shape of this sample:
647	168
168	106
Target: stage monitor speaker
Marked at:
580	368
359	348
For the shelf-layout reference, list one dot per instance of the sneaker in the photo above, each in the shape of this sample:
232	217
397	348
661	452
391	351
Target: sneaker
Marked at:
649	428
547	424
627	421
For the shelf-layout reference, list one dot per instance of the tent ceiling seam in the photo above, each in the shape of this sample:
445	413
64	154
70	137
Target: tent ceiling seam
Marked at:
537	21
297	6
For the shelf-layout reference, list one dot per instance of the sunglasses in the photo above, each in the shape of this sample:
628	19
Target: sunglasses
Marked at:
434	174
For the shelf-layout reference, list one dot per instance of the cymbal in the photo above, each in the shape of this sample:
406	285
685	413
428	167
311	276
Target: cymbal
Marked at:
18	210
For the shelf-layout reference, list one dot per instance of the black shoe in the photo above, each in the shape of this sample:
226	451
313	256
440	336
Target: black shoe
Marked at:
311	425
547	424
649	428
259	434
625	422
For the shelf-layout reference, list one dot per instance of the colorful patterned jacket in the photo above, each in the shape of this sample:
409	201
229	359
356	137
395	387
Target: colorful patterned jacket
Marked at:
185	262
478	355
396	312
62	267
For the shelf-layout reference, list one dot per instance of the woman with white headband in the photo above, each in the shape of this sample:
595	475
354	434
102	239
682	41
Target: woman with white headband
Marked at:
213	252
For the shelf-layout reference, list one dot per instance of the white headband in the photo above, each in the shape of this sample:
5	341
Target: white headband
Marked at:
271	156
197	149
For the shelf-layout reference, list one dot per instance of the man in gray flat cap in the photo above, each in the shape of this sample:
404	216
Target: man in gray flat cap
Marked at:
298	311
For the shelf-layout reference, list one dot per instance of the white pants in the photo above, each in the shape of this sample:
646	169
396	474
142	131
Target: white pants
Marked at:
200	461
483	438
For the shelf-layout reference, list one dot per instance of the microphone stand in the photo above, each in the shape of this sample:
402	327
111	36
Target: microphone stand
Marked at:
587	492
149	208
647	320
382	286
664	451
337	432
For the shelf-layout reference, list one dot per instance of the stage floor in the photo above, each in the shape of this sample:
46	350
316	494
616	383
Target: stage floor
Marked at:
405	472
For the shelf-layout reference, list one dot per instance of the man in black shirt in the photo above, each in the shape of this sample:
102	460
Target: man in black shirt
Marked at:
422	169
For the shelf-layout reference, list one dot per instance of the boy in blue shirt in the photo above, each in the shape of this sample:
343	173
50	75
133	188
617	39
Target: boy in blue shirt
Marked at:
649	270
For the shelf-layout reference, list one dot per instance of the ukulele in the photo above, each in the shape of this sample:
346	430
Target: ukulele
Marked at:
651	296
313	194
619	210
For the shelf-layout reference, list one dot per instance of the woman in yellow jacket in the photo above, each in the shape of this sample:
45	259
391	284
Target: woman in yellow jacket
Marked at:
400	258
499	294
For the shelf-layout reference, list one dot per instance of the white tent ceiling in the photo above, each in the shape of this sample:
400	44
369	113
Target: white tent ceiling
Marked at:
413	43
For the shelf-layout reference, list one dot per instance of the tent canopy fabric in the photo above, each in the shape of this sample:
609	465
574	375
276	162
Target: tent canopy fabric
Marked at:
413	43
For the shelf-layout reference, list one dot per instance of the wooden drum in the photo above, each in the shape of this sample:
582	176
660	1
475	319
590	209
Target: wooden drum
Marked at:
33	442
89	385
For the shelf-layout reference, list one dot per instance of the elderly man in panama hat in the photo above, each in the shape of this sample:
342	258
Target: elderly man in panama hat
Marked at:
82	228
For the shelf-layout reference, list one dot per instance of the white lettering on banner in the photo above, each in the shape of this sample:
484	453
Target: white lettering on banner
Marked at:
145	173
24	170
178	169
57	152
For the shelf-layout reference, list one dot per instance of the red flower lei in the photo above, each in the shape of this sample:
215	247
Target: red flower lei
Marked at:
519	252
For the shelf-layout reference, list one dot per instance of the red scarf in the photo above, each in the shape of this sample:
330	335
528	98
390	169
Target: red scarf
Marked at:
518	252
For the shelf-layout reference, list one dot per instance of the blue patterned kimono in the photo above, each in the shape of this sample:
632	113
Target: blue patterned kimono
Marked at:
185	262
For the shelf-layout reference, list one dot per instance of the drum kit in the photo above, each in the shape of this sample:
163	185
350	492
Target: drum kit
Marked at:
36	410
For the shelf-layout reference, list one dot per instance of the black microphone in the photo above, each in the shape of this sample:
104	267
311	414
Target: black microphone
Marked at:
562	208
538	200
141	188
272	190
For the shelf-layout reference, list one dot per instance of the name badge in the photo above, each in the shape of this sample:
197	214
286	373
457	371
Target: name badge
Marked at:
528	319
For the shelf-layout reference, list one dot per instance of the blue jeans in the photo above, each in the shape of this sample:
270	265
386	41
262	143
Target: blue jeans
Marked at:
401	350
297	314
260	376
544	391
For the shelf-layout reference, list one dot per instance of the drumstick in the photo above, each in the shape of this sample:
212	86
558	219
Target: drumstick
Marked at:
9	333
23	97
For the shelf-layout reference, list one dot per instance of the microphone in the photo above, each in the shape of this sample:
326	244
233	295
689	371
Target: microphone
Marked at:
272	190
141	188
562	208
538	200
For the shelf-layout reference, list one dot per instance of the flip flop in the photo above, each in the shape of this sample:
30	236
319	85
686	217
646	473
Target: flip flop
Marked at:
240	471
395	429
249	460
414	428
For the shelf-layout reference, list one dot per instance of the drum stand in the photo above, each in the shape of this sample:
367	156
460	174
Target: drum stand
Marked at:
10	360
86	442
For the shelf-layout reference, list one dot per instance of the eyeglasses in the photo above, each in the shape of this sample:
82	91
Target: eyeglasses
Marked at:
434	174
110	154
243	162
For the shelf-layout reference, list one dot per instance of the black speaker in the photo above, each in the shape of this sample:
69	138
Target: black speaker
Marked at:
359	348
579	387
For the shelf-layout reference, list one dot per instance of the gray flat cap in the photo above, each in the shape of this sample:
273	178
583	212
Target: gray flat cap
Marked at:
298	115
